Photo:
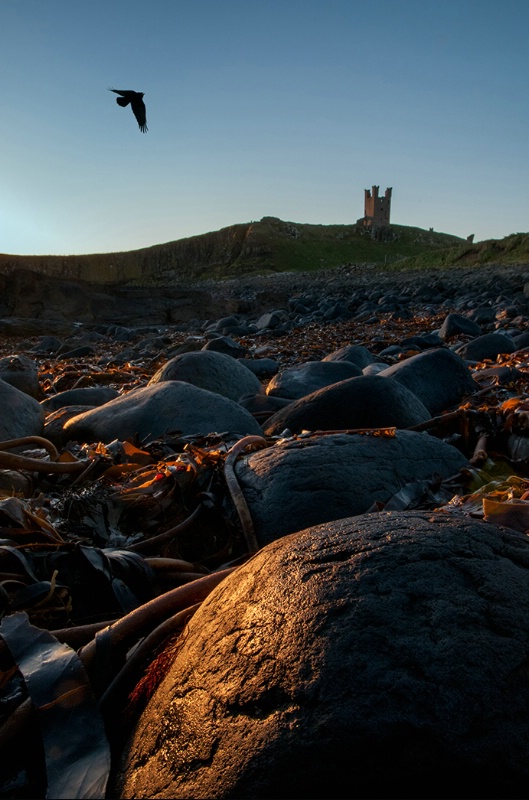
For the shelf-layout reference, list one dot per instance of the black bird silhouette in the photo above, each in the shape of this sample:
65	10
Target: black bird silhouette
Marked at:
136	103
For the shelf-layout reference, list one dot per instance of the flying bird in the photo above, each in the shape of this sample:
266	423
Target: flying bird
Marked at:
136	103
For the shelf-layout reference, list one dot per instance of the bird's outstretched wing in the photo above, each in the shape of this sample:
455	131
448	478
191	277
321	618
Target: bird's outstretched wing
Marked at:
136	103
138	109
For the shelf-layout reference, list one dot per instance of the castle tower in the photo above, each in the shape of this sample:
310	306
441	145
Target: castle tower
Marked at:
376	209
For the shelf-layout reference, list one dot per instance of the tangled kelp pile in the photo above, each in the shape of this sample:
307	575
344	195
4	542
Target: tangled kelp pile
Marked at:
107	550
82	556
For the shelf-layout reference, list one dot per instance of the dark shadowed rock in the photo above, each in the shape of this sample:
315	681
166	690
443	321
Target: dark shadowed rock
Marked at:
263	403
439	377
21	414
374	369
521	340
77	352
209	370
84	396
306	378
364	402
454	324
354	353
47	345
503	376
56	420
482	315
226	345
322	478
489	345
270	320
262	367
423	341
161	408
21	372
383	656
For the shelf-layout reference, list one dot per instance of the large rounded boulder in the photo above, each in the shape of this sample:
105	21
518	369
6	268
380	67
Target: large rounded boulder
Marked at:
166	407
355	354
438	377
207	369
363	402
22	373
489	345
22	415
384	655
303	379
327	477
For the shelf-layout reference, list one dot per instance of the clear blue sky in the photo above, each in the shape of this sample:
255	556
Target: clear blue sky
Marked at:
288	108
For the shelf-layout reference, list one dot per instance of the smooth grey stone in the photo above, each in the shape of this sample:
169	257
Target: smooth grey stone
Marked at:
482	315
455	324
47	345
262	367
159	409
77	352
270	320
84	396
303	379
21	414
22	373
121	334
422	342
392	350
355	353
209	370
374	369
225	322
380	656
337	311
191	345
363	402
521	340
263	404
331	476
439	377
227	345
490	345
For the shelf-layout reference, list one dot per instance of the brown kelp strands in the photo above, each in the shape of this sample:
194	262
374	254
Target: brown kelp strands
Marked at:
112	547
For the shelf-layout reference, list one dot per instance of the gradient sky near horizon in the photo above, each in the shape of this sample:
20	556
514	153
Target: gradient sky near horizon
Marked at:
286	108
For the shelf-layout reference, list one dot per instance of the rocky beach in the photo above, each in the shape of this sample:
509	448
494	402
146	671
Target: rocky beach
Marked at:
274	531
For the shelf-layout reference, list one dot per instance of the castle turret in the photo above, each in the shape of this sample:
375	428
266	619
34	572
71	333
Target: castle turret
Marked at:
376	209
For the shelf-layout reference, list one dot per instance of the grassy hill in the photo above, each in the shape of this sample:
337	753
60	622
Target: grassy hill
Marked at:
510	250
267	247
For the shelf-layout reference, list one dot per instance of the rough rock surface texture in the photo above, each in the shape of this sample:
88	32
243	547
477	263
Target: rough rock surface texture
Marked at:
322	478
381	656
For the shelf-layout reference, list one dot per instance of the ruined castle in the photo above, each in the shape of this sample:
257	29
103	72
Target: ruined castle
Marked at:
376	209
